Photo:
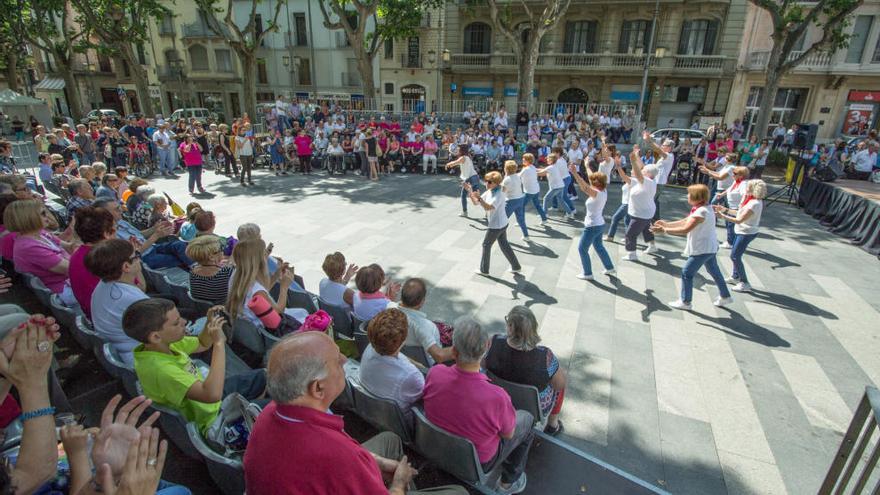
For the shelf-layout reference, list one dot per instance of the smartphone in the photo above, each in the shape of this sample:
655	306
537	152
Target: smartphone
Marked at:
3	273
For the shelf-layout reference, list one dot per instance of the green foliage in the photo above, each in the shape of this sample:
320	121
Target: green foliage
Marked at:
777	159
97	18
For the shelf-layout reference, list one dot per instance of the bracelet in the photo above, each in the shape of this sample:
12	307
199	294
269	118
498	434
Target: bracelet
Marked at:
46	411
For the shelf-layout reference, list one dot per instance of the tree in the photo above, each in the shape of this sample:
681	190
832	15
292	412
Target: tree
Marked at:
392	19
526	36
46	24
120	25
790	23
244	41
11	47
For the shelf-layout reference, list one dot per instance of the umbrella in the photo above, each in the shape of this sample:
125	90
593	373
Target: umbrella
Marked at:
176	210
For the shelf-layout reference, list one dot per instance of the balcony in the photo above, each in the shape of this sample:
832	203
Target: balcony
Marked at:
411	60
815	62
707	65
201	30
167	72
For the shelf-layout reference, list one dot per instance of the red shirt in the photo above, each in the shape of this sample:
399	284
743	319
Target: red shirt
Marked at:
297	450
82	282
466	404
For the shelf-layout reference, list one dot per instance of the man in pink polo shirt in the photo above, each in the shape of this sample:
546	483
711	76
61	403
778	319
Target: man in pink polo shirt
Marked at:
460	400
298	448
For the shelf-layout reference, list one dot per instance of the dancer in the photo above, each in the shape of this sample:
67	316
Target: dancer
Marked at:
734	195
746	221
470	181
594	222
721	171
493	201
372	147
556	183
561	166
664	165
641	205
529	176
512	187
700	248
621	213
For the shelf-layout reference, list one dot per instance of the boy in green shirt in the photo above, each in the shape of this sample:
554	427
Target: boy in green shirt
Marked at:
167	374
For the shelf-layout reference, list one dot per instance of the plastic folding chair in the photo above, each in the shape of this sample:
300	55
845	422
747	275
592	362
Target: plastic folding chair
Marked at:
342	324
39	288
114	365
248	335
524	397
227	473
85	334
66	317
417	354
156	280
173	424
384	414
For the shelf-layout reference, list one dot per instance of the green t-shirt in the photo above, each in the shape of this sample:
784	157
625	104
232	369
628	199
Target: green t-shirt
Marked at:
166	378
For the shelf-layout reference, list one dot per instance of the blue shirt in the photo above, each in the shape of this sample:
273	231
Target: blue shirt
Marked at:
125	231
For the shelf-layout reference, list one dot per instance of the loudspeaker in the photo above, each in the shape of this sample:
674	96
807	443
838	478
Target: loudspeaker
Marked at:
806	136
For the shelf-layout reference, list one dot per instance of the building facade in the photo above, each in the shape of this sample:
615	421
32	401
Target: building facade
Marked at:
596	54
838	91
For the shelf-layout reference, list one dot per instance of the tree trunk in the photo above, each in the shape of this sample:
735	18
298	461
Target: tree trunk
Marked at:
365	66
74	99
248	83
768	95
526	82
12	72
139	75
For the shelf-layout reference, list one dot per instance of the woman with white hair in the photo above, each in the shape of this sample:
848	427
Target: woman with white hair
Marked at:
746	224
641	206
142	214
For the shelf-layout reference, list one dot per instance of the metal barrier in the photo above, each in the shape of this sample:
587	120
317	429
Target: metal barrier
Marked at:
851	454
25	155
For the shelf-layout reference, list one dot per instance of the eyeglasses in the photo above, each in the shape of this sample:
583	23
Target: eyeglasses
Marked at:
135	256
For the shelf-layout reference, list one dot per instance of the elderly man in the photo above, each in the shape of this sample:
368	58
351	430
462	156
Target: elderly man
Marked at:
298	448
461	400
420	330
164	141
81	194
165	255
664	166
863	161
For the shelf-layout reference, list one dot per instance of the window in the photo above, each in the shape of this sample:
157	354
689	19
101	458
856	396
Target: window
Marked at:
170	56
198	58
166	24
224	60
299	24
305	72
258	30
580	37
389	49
698	37
859	38
262	75
876	58
786	107
412	52
684	94
141	54
104	63
477	38
389	88
264	96
635	37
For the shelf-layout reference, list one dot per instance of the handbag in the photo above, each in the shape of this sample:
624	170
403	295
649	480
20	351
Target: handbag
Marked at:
231	429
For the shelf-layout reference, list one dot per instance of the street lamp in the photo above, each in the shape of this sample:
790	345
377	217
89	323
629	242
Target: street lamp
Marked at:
648	53
178	66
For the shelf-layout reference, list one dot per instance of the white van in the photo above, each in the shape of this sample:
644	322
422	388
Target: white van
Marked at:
200	114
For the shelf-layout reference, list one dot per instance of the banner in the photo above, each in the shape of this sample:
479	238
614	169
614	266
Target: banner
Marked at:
859	119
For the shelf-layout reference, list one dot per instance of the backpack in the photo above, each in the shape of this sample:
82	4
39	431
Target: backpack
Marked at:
825	174
231	429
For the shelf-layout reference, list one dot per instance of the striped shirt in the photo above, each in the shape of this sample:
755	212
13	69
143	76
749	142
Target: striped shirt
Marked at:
214	288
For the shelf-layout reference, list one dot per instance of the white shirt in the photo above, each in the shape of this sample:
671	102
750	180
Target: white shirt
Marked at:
641	198
624	194
332	292
530	180
421	331
594	207
243	146
500	121
727	181
864	160
750	226
562	163
665	167
392	377
606	168
735	194
497	217
109	302
467	168
162	139
702	239
615	121
575	156
554	176
512	186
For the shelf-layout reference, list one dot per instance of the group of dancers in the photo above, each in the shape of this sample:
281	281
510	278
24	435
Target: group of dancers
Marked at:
735	199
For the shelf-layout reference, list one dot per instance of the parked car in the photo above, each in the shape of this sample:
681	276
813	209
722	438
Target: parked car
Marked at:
97	115
694	135
200	114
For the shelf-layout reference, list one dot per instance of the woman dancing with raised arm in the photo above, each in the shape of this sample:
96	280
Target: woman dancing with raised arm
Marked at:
594	222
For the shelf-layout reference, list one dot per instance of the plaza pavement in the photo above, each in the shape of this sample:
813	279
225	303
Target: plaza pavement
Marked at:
747	399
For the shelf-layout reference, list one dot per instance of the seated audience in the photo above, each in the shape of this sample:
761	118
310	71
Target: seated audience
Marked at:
108	187
37	251
166	372
384	370
81	194
171	253
92	225
461	400
369	299
296	448
122	284
141	211
422	331
188	229
334	289
517	357
130	197
7	237
209	277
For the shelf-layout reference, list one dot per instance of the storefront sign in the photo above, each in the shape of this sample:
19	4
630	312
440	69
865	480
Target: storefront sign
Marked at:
476	92
869	96
859	119
515	92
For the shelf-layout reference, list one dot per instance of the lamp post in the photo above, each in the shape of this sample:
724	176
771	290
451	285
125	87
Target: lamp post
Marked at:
648	54
178	66
285	60
444	60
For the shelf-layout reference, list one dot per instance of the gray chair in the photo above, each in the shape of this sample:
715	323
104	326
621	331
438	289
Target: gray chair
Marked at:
200	305
39	288
417	354
384	414
84	333
248	336
345	400
156	280
304	300
454	454
114	365
228	474
360	338
173	424
175	276
181	293
523	397
66	317
342	325
269	339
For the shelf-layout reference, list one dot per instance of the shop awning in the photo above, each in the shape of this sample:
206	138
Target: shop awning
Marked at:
50	84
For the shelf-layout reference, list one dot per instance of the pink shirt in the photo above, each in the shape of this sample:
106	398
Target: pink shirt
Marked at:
37	256
467	405
7	242
82	281
193	157
430	148
303	145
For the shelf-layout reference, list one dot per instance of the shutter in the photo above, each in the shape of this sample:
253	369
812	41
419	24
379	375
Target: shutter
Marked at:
624	38
568	45
711	35
685	38
591	37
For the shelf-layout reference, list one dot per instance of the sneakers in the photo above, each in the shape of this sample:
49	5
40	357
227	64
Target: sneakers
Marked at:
526	238
608	238
679	304
630	256
742	287
554	432
611	272
481	272
652	248
544	223
585	277
731	280
515	271
726	245
463	214
723	301
516	487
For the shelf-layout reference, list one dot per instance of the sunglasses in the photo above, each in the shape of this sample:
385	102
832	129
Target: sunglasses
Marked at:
135	256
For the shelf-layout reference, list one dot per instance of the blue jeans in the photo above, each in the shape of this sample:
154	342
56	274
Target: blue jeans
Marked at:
168	488
474	181
592	236
552	195
167	255
615	219
165	164
740	243
731	235
690	268
518	207
533	198
195	176
565	191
